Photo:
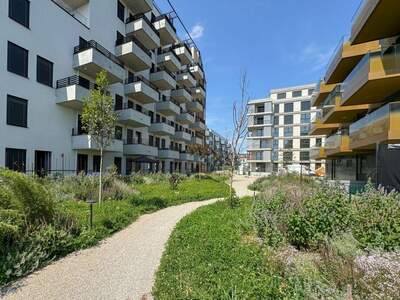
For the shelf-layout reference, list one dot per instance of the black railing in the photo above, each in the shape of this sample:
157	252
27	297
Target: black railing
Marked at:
197	65
186	71
139	78
142	16
183	44
138	141
76	80
162	68
167	18
136	107
127	39
169	99
168	50
85	45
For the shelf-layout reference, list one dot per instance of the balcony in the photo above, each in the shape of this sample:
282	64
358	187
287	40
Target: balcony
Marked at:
183	136
141	89
382	125
197	71
317	153
82	141
375	20
162	129
133	53
194	106
198	92
168	107
163	24
346	57
319	128
168	59
322	91
139	6
185	78
168	154
139	148
337	145
184	53
141	28
198	125
133	117
334	112
72	91
163	79
181	95
374	79
186	156
185	118
196	140
90	58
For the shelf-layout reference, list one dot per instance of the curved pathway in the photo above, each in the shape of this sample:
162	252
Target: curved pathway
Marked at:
122	267
240	184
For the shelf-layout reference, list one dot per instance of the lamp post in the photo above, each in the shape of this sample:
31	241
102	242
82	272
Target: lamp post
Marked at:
91	202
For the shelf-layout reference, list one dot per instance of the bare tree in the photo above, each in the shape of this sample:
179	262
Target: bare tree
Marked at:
239	131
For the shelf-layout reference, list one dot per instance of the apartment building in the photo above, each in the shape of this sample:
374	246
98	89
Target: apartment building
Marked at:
53	50
359	100
219	150
279	130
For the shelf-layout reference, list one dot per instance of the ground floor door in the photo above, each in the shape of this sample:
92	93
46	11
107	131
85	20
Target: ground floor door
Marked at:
82	163
42	163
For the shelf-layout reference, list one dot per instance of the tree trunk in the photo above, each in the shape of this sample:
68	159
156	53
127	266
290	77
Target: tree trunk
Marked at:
101	176
231	184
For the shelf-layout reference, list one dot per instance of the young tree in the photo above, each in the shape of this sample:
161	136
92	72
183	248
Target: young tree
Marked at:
239	131
99	119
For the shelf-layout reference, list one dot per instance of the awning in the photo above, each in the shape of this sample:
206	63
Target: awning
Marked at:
145	160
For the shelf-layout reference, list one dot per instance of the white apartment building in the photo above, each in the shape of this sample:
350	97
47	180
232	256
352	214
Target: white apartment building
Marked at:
52	51
279	130
219	147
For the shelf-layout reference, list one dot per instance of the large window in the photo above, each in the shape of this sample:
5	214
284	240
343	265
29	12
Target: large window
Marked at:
304	130
44	71
281	95
305	143
296	94
260	108
16	159
17	111
18	10
288	131
288	144
276	108
288	119
121	11
318	142
288	107
118	132
287	156
310	92
276	120
17	60
304	155
305	118
305	105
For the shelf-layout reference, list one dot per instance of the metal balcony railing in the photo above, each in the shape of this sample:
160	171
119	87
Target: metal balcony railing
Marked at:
75	80
169	50
167	18
85	45
140	78
162	68
145	19
127	39
136	107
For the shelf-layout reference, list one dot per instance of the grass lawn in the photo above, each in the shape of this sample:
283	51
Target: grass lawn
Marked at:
209	257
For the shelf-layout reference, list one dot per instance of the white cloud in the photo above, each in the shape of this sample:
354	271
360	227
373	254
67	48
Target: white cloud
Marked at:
317	57
197	31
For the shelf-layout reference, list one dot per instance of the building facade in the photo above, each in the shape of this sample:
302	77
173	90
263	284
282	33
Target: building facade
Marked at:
359	100
279	130
219	150
52	52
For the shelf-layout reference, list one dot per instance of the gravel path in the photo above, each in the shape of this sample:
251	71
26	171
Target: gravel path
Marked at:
240	184
121	267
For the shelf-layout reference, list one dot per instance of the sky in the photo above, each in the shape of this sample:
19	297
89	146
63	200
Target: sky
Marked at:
279	43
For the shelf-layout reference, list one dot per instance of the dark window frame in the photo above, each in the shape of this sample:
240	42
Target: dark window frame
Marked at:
50	64
120	9
9	60
24	123
8	156
26	21
297	94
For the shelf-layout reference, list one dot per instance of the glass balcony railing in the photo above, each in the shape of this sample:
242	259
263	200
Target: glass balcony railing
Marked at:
330	102
335	58
379	114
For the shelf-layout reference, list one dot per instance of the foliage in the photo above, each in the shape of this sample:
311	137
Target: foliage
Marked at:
174	181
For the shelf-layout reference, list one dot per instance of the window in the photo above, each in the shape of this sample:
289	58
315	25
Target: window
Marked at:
17	111
318	142
304	129
121	11
305	118
129	136
118	102
276	108
288	107
288	119
305	105
287	156
18	10
118	132
16	159
118	164
288	144
259	120
44	71
276	132
296	94
281	96
276	120
305	143
304	155
260	109
288	131
96	163
17	60
276	144
310	92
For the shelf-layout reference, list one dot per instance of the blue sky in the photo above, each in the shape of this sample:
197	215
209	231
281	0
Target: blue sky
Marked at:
278	42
